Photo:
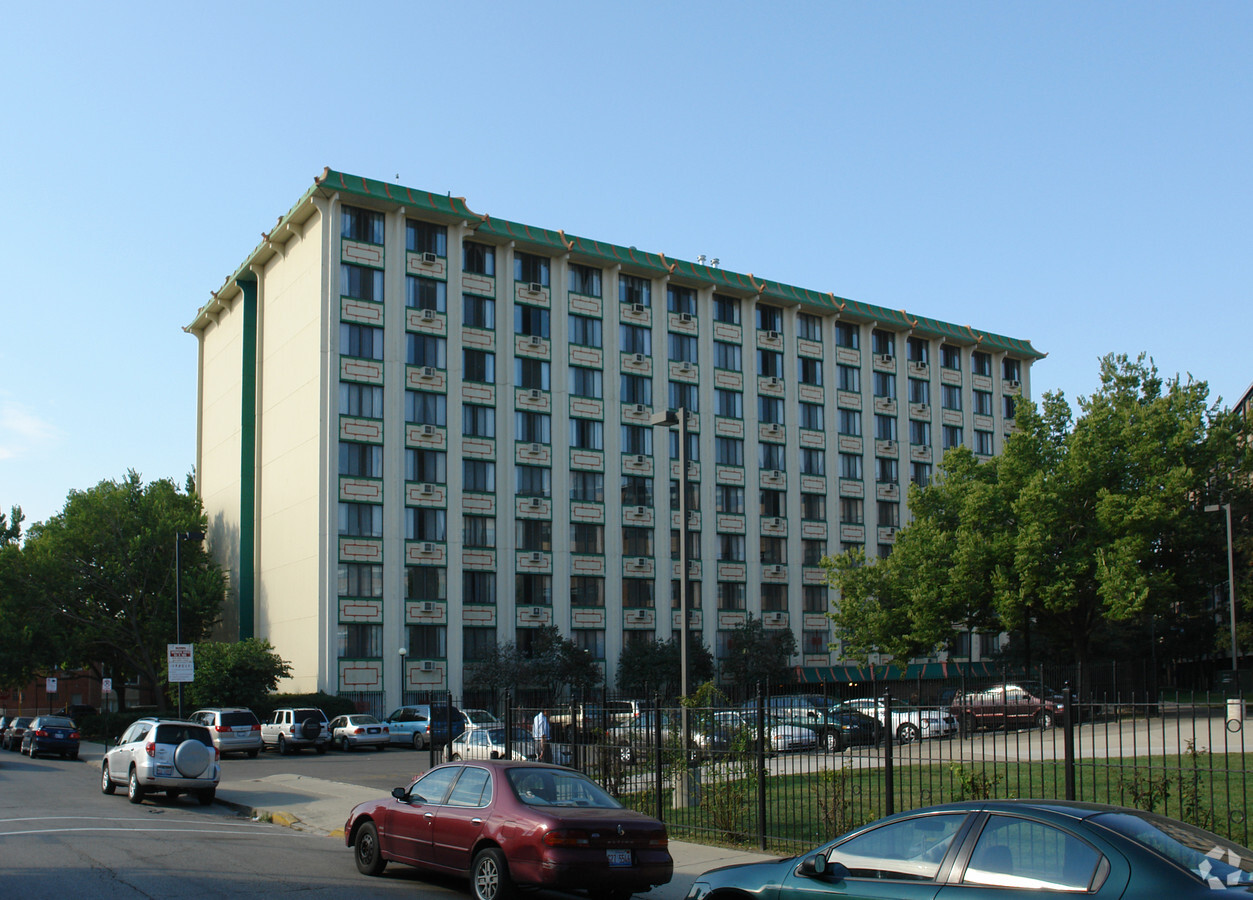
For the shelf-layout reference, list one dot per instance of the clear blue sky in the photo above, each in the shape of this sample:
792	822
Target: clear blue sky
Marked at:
1077	174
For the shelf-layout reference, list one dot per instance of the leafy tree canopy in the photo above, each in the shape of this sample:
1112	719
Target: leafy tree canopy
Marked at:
653	667
758	654
239	674
553	665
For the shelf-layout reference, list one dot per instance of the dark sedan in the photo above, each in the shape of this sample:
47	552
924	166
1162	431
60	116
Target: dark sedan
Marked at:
507	825
854	728
12	737
51	734
1000	849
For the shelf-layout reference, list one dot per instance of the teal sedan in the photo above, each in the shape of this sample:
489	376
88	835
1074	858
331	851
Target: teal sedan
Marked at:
997	850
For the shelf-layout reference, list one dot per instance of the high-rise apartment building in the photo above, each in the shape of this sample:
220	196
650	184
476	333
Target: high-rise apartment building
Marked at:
427	430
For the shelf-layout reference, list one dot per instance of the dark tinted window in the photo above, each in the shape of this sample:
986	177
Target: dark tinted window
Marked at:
175	734
57	722
238	718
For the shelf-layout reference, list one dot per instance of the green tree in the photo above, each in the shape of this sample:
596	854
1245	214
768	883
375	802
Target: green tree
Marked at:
553	666
758	654
23	651
652	667
239	674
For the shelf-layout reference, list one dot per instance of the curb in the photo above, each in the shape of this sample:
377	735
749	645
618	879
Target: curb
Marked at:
286	819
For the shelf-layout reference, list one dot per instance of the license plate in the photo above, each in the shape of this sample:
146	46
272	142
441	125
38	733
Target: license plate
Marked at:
619	857
165	770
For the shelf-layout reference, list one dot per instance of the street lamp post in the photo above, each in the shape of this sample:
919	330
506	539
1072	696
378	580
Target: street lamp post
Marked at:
404	651
179	537
1231	579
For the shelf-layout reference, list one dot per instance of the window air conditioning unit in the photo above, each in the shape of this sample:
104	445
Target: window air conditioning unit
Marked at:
776	570
685	367
889	445
916	365
428	257
777	522
1013	383
641	510
638	308
537	611
640	409
924	409
428	315
637	358
537	557
772	335
533	448
536	503
428	489
428	371
772	381
685	318
428	606
776	474
428	430
536	340
776	428
887	358
640	459
428	666
427	547
535	288
535	393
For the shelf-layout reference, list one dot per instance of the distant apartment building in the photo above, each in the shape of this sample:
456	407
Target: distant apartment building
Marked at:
427	430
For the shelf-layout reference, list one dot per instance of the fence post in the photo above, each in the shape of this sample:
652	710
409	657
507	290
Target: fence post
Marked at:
889	776
508	725
761	768
1068	719
658	765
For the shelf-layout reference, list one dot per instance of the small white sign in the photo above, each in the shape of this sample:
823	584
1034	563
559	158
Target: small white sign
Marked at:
182	664
106	685
52	685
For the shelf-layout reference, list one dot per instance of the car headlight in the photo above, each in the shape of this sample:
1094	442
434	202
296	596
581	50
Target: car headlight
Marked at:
698	890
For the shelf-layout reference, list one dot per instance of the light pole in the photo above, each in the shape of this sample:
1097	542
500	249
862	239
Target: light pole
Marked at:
404	651
1231	579
179	537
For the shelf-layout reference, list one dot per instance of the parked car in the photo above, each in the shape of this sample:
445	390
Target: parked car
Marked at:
480	718
634	737
291	729
507	825
592	719
359	730
779	735
51	734
1023	704
855	729
805	710
489	743
235	729
12	738
155	754
909	723
1004	848
422	724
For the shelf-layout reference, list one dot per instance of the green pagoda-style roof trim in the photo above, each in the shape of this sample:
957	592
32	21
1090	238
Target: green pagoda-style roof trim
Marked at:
532	239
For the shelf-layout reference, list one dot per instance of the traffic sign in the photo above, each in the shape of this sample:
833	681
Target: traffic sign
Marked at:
182	664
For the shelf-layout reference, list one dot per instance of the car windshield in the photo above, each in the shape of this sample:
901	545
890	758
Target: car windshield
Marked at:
363	719
558	787
56	722
300	715
168	733
238	718
1205	855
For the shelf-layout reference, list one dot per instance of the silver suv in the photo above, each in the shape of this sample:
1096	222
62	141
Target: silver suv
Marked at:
290	729
234	729
170	755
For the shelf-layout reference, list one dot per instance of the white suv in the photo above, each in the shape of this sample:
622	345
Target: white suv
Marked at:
290	729
168	755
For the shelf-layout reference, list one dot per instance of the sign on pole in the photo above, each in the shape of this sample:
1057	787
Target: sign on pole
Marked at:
182	663
51	686
106	685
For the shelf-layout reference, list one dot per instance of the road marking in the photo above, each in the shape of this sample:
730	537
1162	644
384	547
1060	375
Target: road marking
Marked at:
112	819
231	833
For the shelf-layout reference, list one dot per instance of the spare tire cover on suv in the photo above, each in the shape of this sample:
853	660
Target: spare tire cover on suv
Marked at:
310	728
191	758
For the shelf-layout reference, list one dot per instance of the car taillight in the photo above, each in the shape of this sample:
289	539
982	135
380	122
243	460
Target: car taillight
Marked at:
658	842
566	837
41	733
386	730
221	728
151	748
358	731
73	735
256	727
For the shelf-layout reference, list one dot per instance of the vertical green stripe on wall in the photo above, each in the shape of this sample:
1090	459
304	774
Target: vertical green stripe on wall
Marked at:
248	465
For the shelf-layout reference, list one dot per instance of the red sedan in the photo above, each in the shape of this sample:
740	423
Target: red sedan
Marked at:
509	824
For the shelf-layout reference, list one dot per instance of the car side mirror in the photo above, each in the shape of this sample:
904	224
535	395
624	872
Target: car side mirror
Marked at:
817	866
400	793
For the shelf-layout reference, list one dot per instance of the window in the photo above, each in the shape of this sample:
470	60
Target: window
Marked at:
632	289
637	439
809	371
809	327
533	590
920	473
723	643
425	293
422	408
359	580
770	410
1010	405
591	641
478	259
919	432
983	402
533	426
983	443
729	499
811	416
360	283
892	851
426	466
728	356
693	495
361	341
883	551
813	461
637	490
774	597
426	524
584	280
479	421
585	382
426	583
693	547
728	404
585	331
586	590
847	334
478	312
478	531
533	534
773	551
981	363
769	318
360	460
637	389
478	643
850	466
771	456
424	237
635	339
814	507
530	320
773	504
532	373
885	385
587	434
815	643
951	436
885	428
479	588
680	299
950	357
364	400
358	641
848	378
919	391
684	396
950	396
682	348
852	547
886	471
731	548
359	224
919	350
1011	369
533	481
587	538
426	350
529	269
637	593
478	475
428	641
587	487
731	595
769	363
361	519
883	343
889	514
812	552
851	510
726	309
637	541
850	422
1019	853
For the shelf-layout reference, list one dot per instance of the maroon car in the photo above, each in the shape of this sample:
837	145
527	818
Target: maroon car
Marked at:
506	825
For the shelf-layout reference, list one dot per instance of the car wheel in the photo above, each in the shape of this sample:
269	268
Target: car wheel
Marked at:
831	742
907	733
206	796
1044	719
344	745
489	876
134	791
32	752
106	783
365	851
252	754
282	745
417	741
